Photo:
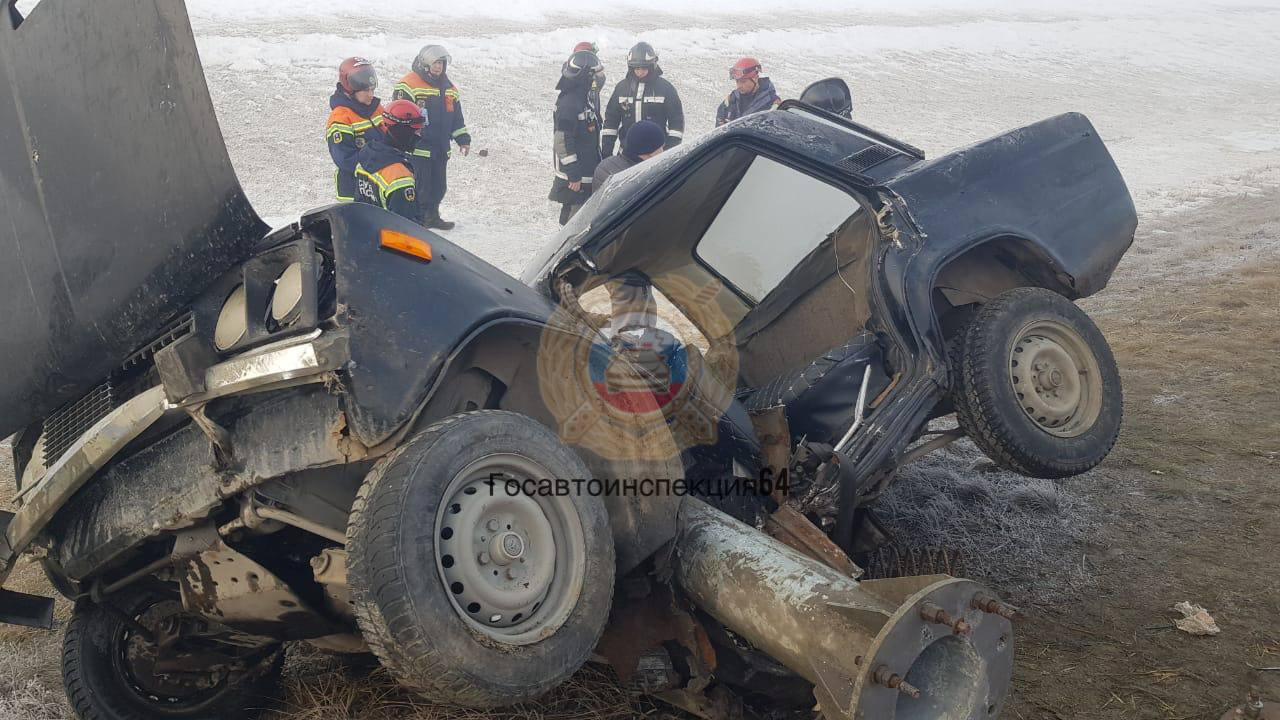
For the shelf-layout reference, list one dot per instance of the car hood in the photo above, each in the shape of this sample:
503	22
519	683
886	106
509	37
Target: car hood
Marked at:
118	201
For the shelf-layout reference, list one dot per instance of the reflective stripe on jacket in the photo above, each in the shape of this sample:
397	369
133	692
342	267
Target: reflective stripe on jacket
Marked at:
345	135
442	104
633	100
391	186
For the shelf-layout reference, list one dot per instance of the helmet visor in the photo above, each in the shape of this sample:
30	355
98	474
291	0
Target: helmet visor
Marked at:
416	123
362	78
405	114
739	73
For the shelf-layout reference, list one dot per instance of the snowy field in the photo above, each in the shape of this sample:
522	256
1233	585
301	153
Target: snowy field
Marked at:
1184	93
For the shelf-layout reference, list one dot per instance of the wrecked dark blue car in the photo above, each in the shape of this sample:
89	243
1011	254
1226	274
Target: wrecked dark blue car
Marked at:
660	448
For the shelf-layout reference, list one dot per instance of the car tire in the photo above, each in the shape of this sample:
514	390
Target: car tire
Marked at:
107	676
1040	391
468	593
956	393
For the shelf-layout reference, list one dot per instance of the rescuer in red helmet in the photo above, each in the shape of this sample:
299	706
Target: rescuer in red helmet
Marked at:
753	93
354	112
384	171
597	81
576	138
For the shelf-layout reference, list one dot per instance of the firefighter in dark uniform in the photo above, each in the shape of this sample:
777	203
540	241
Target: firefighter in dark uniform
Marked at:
642	95
353	112
577	131
384	174
752	93
428	86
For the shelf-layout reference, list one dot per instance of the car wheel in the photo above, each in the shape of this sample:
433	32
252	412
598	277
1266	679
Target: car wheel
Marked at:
469	589
111	670
1041	390
956	393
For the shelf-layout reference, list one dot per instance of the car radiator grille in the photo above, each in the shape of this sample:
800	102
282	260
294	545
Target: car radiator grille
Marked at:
71	421
68	423
175	331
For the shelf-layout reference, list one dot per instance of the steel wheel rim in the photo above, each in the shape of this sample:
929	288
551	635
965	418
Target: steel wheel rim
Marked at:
512	563
134	659
1056	378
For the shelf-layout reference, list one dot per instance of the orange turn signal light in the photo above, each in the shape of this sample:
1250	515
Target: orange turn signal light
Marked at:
407	244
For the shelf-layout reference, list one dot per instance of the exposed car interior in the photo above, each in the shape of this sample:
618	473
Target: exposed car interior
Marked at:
770	264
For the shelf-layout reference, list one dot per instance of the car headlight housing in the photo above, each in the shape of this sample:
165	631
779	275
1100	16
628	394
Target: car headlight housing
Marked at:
233	321
286	301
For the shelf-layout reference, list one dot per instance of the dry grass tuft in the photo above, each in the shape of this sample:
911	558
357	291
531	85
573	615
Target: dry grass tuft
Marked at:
30	681
328	687
1023	535
30	678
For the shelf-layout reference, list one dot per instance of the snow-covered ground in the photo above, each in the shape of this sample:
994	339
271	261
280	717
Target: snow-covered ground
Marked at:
1186	93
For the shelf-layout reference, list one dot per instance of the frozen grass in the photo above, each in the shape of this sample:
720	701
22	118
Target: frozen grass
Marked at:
30	681
1025	536
326	687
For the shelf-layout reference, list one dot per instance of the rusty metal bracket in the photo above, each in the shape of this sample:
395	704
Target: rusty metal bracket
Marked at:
774	435
790	527
219	438
939	441
645	623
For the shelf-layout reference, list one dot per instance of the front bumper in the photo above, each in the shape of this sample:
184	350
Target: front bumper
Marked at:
300	360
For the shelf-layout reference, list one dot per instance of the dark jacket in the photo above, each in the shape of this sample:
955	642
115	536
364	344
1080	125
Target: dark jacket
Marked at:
633	100
344	134
611	166
441	103
384	177
737	105
576	141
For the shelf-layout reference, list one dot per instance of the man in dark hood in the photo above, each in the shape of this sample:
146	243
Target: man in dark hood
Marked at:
753	93
645	140
353	111
577	131
631	295
644	94
428	86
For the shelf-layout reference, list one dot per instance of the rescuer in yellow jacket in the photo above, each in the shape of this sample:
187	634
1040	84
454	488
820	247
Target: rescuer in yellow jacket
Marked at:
354	110
429	87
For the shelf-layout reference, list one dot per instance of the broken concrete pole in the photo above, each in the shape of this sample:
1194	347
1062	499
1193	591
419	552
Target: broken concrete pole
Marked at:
873	650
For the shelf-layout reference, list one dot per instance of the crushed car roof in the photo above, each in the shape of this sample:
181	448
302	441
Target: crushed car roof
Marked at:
795	130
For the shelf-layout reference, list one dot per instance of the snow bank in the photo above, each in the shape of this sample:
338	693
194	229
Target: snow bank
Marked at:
525	10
